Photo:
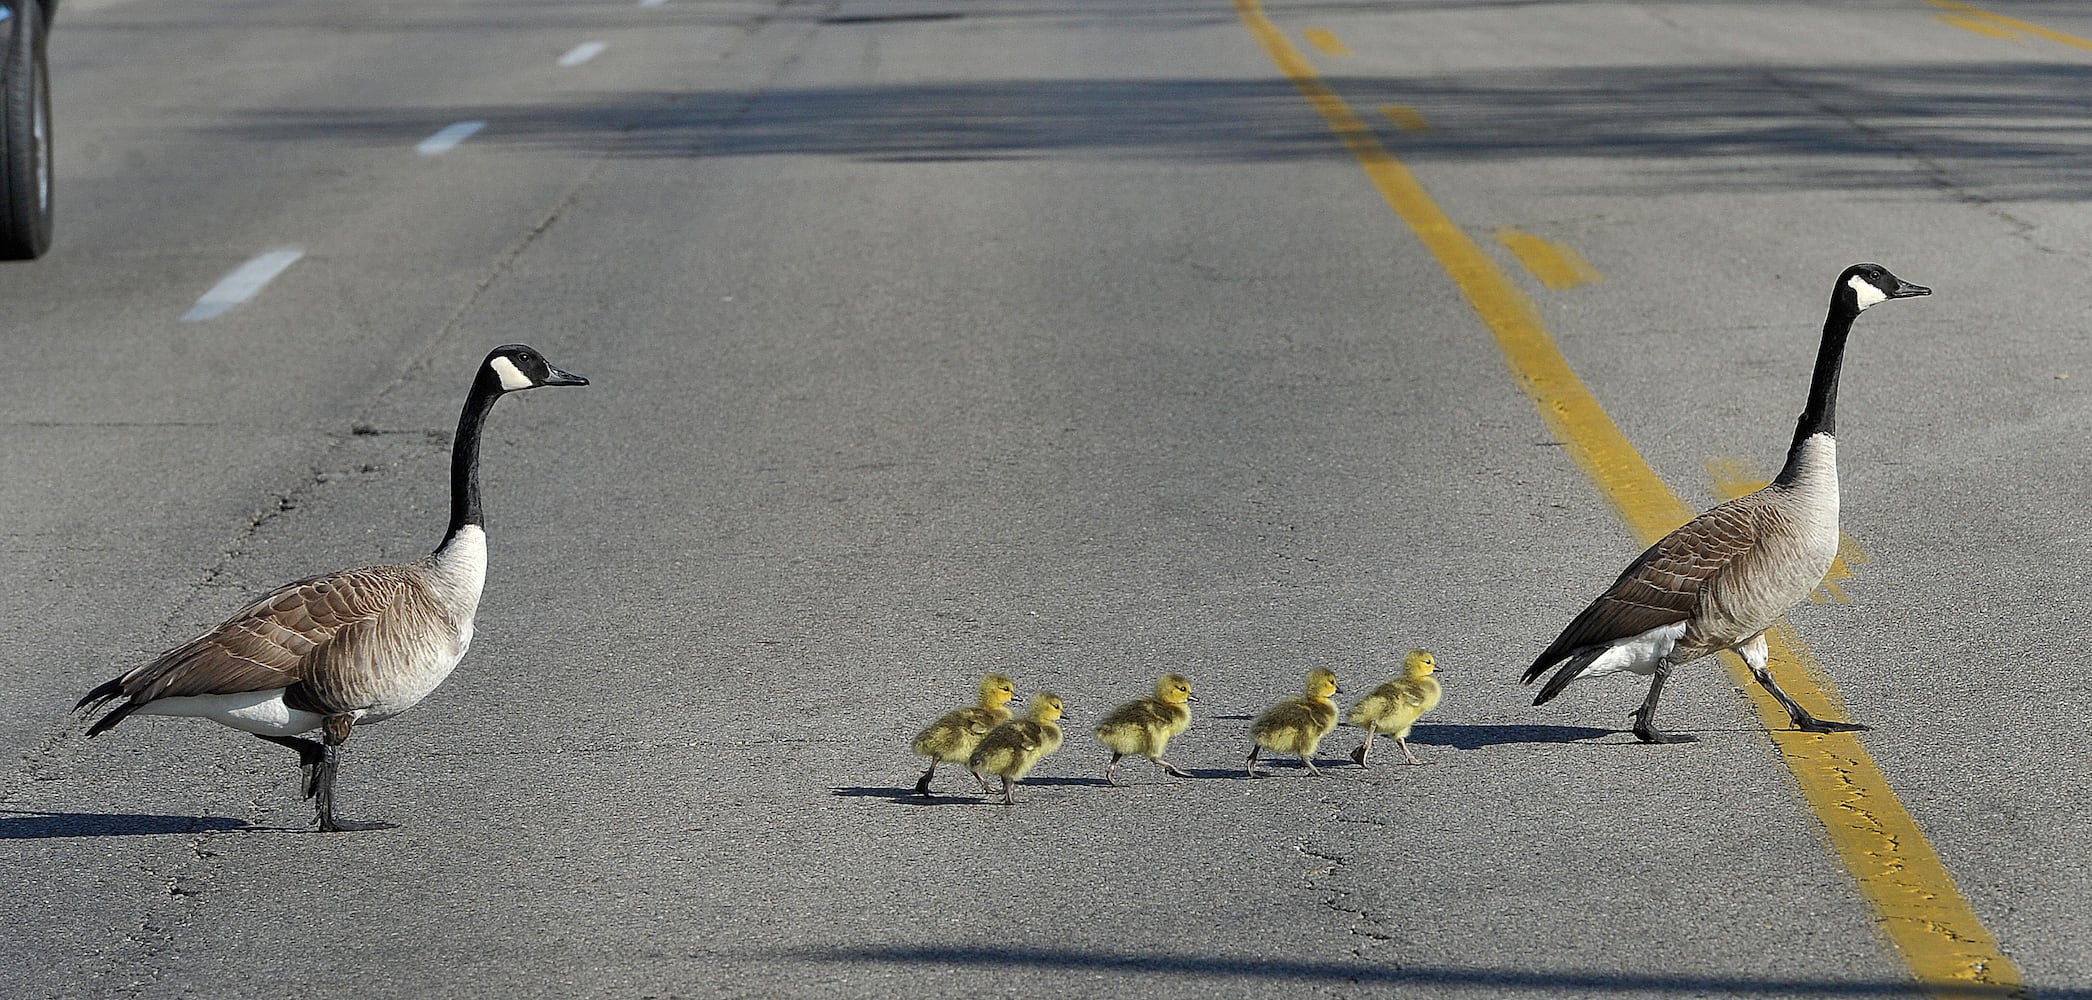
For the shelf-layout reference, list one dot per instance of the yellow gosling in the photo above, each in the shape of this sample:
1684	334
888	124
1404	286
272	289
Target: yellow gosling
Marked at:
1297	725
1145	726
1396	705
1013	747
953	737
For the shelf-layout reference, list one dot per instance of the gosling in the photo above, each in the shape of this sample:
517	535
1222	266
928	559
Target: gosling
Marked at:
953	737
1145	726
1396	705
1297	725
1012	748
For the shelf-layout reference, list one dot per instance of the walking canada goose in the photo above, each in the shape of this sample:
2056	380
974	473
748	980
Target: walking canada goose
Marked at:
1145	726
1394	706
1010	750
358	646
1297	725
1727	575
952	738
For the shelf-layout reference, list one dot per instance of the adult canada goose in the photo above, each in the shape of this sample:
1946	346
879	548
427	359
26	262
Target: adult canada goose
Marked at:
1723	578
355	647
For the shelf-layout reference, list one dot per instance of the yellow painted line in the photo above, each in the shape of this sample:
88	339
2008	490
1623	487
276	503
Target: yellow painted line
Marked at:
1557	265
1948	950
1406	118
2015	24
1325	41
1979	26
1734	477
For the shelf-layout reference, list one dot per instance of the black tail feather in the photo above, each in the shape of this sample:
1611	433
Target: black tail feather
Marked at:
1570	669
100	696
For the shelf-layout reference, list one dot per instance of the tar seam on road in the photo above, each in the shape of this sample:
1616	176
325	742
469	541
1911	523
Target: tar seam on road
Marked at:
1947	948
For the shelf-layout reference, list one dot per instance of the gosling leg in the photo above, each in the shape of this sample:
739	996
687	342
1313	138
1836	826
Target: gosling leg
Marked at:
1111	770
1404	744
1253	760
922	784
1008	799
1359	752
1172	770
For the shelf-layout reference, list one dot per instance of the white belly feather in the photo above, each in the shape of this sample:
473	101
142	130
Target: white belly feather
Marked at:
1636	655
259	712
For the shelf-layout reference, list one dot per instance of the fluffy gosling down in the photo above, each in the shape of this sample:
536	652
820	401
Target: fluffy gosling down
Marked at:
1011	749
1297	725
954	736
1396	705
1144	727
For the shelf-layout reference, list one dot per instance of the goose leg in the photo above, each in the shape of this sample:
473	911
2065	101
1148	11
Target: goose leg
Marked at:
1359	752
310	752
922	784
1645	716
1755	653
1111	770
337	730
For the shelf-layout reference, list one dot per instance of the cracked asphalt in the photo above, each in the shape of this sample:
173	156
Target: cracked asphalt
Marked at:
1061	340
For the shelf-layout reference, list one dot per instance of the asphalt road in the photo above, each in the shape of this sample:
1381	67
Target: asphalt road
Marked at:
931	337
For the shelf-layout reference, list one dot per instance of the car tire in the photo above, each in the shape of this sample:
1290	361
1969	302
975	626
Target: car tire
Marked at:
25	136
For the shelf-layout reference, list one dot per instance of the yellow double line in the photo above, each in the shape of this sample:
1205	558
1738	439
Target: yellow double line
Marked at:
1947	948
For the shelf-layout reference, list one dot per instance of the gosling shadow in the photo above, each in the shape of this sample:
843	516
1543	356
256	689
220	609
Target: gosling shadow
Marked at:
23	824
1095	782
907	796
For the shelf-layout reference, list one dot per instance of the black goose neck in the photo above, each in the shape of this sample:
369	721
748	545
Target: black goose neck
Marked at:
464	454
1821	414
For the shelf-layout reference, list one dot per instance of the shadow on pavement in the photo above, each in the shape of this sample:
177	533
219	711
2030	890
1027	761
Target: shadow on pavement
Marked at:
907	796
1475	737
31	825
1367	973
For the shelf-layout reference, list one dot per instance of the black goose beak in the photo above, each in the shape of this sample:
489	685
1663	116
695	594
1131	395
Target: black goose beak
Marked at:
561	376
1909	291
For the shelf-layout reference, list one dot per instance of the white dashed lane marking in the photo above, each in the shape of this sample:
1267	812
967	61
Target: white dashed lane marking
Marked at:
242	284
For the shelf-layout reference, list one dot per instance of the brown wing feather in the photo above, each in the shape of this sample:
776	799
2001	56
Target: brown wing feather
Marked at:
1664	585
274	642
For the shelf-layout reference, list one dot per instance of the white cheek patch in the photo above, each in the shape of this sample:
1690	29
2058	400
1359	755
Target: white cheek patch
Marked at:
512	377
1866	293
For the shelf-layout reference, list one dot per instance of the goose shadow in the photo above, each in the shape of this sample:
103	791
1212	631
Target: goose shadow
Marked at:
1476	736
18	824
